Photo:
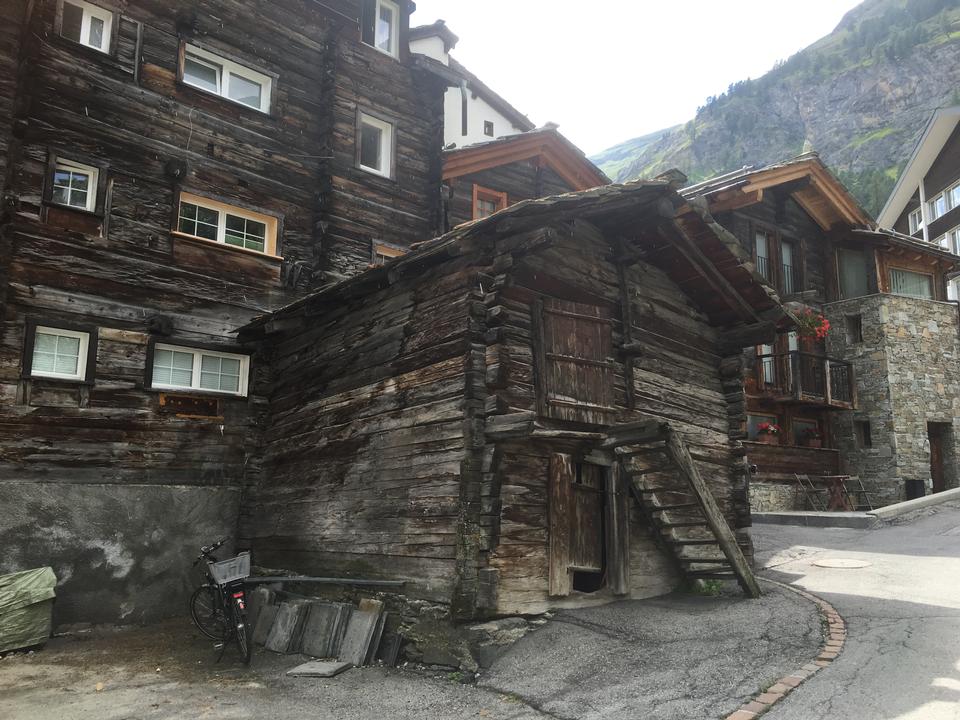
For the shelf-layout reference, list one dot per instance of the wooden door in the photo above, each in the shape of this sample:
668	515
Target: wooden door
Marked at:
589	525
935	433
586	528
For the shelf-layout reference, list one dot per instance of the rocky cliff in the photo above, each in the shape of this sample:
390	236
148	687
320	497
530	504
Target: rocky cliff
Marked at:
859	96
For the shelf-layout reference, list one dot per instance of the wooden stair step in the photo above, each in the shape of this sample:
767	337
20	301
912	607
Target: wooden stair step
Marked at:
685	523
680	506
697	541
705	561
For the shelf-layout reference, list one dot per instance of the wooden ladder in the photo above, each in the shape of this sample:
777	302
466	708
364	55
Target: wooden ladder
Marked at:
674	498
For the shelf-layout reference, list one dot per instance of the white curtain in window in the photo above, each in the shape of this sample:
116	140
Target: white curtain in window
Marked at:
904	282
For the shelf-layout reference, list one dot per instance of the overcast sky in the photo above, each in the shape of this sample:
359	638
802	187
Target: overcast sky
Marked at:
611	70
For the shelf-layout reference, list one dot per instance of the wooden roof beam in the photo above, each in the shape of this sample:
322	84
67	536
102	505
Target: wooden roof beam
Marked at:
723	287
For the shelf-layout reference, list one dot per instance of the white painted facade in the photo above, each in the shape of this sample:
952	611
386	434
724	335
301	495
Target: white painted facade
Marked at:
479	111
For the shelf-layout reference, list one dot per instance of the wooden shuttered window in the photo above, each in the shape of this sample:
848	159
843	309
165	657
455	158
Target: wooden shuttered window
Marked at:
575	374
589	524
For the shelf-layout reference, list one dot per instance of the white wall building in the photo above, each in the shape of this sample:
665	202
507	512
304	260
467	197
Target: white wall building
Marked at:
473	113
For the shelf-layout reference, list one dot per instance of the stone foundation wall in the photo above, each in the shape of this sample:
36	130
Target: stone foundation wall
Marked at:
772	497
907	376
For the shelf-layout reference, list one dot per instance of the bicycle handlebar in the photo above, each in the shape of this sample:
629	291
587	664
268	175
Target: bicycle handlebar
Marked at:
207	549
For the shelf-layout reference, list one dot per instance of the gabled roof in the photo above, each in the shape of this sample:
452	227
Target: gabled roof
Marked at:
702	258
475	84
935	135
545	144
806	178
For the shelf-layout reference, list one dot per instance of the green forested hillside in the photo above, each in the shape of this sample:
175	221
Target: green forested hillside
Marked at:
859	96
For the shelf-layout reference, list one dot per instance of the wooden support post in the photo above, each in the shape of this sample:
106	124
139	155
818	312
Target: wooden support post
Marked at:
559	492
718	524
618	531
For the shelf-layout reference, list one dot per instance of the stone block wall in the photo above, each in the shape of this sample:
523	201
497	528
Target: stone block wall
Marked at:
907	370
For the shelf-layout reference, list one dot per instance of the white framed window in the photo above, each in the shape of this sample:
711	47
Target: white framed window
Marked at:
915	219
86	24
207	71
59	353
953	196
381	26
217	222
375	139
75	185
938	206
177	367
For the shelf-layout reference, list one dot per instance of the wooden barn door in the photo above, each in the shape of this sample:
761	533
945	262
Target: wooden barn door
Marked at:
588	527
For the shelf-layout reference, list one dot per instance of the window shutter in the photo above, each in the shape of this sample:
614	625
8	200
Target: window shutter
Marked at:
575	374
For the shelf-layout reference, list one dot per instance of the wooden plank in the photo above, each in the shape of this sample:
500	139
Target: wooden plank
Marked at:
718	524
560	483
618	531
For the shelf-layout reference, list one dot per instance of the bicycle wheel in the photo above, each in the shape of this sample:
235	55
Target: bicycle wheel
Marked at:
240	629
206	610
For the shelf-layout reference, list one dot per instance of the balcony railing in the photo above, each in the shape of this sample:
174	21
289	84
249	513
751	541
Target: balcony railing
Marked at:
790	279
806	377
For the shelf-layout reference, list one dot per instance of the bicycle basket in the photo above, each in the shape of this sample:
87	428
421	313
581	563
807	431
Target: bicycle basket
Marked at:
235	568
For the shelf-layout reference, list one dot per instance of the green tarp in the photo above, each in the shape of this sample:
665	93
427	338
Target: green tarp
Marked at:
26	603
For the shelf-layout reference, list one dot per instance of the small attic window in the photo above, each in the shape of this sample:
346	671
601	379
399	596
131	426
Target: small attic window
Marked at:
380	26
488	128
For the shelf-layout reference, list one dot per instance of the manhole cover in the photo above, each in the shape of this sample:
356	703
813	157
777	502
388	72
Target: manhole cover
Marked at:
841	563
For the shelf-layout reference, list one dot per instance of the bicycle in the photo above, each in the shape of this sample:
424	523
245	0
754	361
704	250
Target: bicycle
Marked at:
218	607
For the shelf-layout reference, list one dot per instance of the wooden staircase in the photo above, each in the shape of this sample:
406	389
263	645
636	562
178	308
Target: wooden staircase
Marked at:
677	504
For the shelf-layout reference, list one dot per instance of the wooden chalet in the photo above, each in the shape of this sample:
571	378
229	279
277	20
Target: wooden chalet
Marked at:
810	240
486	177
170	171
537	409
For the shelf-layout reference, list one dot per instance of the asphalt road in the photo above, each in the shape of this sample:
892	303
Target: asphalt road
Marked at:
902	656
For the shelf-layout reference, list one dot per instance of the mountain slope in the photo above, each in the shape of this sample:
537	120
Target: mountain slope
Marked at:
859	96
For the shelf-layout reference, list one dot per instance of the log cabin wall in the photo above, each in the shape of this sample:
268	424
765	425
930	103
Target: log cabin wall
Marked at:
521	180
676	378
114	484
369	444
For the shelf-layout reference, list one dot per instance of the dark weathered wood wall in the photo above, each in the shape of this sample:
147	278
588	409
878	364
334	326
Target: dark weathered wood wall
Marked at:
521	180
127	114
367	436
676	378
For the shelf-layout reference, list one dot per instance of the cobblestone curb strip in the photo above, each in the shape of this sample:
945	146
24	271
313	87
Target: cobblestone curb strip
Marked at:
836	635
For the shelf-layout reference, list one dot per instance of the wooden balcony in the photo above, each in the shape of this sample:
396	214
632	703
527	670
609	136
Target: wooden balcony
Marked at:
781	462
808	378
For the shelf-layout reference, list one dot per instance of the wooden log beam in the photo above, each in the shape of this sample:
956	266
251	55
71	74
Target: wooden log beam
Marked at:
512	425
635	433
692	253
734	341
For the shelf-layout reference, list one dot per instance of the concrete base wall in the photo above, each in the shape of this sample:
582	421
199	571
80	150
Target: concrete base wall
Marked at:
120	553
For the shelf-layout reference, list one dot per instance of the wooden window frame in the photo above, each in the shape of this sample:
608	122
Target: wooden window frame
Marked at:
227	65
272	222
198	351
483	193
488	124
93	9
89	359
390	156
863	434
775	241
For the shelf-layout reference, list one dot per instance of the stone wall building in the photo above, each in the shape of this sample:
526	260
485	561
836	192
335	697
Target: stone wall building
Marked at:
902	432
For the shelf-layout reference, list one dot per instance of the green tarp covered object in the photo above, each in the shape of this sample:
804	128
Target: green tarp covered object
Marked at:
26	603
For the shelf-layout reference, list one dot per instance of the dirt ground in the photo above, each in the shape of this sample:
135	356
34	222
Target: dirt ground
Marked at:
170	671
